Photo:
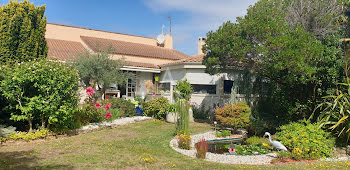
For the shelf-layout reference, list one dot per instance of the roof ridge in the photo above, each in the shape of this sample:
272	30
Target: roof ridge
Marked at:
99	30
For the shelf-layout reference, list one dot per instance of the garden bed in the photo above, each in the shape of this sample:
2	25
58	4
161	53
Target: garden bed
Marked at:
222	158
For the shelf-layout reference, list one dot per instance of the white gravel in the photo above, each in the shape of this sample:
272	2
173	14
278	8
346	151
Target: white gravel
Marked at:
222	158
116	122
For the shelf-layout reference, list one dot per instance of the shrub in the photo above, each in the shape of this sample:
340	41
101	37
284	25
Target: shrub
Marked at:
6	131
202	149
183	90
90	114
200	112
305	140
156	108
39	134
234	115
184	141
223	133
41	90
252	149
256	140
22	32
115	114
126	107
335	112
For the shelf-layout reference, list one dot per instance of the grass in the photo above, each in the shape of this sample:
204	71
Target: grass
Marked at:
143	145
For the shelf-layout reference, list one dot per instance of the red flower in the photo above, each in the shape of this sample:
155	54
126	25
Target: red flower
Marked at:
97	105
90	91
108	115
108	106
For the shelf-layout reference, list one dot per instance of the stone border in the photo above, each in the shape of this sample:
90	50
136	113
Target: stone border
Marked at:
221	158
117	122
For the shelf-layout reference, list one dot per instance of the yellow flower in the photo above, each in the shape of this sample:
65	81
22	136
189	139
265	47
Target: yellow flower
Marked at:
289	140
318	138
307	149
315	149
315	141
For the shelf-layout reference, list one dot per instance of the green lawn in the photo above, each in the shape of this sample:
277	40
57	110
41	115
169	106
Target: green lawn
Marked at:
143	145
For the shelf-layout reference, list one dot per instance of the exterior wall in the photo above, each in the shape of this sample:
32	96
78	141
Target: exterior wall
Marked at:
141	79
69	33
196	75
171	76
155	61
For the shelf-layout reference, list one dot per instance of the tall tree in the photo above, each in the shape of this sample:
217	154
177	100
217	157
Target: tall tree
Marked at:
22	32
292	46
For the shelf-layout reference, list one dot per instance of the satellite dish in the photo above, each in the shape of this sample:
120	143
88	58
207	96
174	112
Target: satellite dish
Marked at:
160	38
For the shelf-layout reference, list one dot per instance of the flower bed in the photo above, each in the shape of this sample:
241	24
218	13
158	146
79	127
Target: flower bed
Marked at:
222	158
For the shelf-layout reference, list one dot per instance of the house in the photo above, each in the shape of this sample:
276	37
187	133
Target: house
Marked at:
157	65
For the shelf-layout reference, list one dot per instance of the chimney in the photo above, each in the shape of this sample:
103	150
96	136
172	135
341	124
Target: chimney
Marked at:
201	42
168	43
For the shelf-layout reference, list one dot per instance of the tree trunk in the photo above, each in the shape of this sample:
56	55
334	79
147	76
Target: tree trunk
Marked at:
30	125
43	122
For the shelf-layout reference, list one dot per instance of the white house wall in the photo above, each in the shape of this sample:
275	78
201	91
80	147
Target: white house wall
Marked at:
198	76
142	78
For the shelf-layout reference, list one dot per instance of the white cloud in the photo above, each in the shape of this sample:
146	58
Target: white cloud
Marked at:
205	15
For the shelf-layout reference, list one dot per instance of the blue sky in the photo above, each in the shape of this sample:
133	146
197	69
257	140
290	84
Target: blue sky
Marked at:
190	18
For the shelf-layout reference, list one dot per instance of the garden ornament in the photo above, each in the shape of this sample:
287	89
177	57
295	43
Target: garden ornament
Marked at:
275	144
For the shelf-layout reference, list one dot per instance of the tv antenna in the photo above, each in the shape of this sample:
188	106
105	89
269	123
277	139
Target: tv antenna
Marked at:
169	17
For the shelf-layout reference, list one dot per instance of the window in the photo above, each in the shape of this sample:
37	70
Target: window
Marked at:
204	89
131	88
228	86
165	87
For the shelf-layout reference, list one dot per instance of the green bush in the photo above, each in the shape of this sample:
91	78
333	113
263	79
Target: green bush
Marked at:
156	108
90	114
305	140
256	140
200	112
252	149
41	90
126	107
183	90
234	115
115	114
223	133
39	134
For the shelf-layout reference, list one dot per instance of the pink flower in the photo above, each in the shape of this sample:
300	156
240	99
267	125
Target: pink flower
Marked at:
90	91
97	105
108	115
108	106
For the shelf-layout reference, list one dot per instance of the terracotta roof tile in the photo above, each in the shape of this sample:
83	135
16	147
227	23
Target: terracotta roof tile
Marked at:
63	50
192	59
137	64
134	49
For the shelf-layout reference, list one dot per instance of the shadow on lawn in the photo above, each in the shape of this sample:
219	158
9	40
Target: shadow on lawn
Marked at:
25	160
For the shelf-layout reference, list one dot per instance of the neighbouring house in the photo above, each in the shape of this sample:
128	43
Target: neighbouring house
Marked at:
157	66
